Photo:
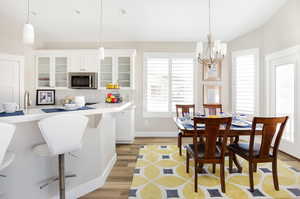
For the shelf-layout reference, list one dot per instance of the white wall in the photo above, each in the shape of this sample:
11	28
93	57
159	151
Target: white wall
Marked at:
280	32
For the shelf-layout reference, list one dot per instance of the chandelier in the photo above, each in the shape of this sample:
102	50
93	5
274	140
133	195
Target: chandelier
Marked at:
211	52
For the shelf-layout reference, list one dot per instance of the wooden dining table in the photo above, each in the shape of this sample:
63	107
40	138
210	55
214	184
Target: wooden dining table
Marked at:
235	132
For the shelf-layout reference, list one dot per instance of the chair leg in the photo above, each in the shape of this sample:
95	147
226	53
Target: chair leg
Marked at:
251	176
222	176
275	174
196	177
180	143
236	162
255	167
214	168
61	173
230	161
187	162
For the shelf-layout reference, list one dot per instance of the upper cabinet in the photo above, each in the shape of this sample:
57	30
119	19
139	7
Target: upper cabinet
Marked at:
118	67
53	66
52	71
84	62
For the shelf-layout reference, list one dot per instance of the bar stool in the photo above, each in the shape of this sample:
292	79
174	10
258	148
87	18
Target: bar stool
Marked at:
6	134
63	134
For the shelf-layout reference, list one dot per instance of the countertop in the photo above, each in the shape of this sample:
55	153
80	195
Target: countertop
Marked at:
33	114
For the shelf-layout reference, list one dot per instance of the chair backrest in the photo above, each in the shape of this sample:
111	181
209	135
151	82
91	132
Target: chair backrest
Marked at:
6	134
63	133
186	108
214	128
269	129
212	109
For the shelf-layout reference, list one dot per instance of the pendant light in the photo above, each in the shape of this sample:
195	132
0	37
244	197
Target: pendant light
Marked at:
28	29
101	48
210	52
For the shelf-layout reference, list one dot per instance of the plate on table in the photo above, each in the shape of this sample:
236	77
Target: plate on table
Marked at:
70	108
240	123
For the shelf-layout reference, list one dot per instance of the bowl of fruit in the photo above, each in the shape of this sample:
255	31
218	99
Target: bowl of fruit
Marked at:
113	98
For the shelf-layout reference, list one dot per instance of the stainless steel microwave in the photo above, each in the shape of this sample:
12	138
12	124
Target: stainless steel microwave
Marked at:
83	80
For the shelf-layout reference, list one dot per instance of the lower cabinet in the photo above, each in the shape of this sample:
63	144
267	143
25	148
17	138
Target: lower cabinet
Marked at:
125	128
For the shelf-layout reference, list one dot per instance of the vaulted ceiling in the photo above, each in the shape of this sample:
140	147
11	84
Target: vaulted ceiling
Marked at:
144	20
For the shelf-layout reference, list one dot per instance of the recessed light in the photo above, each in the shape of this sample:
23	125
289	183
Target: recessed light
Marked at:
77	12
123	12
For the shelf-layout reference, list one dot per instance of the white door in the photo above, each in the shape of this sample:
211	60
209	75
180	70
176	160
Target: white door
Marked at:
11	70
284	97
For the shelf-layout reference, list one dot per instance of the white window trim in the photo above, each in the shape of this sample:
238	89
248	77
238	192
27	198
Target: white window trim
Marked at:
255	52
147	114
285	56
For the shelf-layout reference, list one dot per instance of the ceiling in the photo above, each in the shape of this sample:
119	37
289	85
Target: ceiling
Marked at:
146	20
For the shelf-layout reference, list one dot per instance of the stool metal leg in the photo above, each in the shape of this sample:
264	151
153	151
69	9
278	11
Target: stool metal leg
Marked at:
61	166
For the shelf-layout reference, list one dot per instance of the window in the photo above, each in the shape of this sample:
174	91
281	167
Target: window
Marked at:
245	81
169	80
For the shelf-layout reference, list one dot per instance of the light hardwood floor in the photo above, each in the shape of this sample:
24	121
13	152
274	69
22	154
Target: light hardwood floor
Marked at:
118	183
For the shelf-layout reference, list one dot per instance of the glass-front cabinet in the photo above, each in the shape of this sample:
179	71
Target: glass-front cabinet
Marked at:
52	71
106	71
118	68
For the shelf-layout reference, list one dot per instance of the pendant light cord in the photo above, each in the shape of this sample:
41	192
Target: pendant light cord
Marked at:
209	17
28	7
101	22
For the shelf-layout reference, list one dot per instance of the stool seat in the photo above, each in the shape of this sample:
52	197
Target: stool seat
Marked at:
42	150
8	159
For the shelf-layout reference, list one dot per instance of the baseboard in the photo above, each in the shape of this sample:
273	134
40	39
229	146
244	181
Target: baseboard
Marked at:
91	185
125	141
156	134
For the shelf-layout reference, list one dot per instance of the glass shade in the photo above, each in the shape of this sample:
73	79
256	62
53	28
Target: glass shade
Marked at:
28	34
101	53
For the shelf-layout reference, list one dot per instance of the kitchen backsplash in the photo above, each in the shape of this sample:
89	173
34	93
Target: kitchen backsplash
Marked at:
92	96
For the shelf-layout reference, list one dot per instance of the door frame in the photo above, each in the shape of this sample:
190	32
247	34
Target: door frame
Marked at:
20	60
290	55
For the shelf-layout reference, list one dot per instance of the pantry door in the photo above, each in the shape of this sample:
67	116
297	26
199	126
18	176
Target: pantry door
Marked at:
11	79
283	87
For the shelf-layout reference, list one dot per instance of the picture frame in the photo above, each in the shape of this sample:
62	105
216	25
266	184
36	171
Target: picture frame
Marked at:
212	74
212	94
45	97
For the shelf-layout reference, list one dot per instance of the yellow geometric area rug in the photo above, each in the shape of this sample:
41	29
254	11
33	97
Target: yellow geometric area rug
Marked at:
161	173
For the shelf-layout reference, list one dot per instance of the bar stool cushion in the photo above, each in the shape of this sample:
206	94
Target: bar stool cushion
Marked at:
63	133
8	159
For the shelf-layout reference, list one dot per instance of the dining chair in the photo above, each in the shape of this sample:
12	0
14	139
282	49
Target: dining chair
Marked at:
209	150
260	153
212	109
180	111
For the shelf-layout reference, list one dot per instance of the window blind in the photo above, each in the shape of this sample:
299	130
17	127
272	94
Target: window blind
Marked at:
244	83
157	75
182	82
169	81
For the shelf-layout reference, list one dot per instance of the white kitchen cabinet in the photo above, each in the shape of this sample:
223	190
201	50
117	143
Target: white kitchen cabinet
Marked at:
118	67
125	128
84	62
52	71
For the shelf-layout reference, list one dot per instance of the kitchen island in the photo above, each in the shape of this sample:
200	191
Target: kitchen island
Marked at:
91	164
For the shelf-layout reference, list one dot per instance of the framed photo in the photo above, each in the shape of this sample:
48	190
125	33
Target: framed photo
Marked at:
212	73
211	94
45	97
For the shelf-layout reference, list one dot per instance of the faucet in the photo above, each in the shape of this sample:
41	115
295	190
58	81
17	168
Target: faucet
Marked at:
27	101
